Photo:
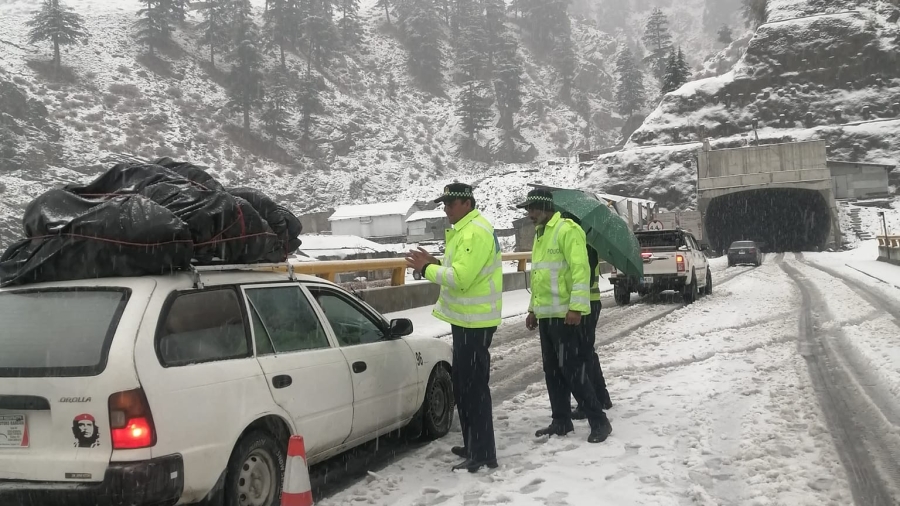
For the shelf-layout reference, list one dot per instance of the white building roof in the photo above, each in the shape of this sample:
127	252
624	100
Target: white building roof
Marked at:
381	209
427	215
339	246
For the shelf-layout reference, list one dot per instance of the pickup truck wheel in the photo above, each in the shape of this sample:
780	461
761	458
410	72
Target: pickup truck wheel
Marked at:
622	295
707	290
691	292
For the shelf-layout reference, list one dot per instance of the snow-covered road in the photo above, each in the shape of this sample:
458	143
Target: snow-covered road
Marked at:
766	392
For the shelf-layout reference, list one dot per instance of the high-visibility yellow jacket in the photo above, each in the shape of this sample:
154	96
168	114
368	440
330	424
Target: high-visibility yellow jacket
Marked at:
470	275
595	287
560	273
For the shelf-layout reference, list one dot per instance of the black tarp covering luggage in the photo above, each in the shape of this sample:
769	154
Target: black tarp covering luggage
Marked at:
139	219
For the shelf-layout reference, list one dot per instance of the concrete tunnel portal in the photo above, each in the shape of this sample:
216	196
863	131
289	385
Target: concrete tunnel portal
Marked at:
784	219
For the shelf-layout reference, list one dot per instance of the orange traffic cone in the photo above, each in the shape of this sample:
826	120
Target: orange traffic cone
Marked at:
296	490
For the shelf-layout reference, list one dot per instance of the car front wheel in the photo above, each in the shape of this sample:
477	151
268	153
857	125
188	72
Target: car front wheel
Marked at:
437	409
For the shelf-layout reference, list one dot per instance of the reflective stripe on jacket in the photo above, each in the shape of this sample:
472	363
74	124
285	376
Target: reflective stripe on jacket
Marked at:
560	273
595	288
470	275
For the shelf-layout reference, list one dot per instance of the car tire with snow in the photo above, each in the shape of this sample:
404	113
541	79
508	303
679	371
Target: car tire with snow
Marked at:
437	408
691	292
255	471
622	295
707	290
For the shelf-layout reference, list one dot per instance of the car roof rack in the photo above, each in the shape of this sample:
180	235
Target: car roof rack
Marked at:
196	270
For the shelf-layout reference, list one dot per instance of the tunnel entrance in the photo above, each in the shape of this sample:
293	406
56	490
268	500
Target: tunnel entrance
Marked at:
783	219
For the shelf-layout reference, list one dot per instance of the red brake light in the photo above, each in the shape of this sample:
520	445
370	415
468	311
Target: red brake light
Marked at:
130	421
137	434
646	256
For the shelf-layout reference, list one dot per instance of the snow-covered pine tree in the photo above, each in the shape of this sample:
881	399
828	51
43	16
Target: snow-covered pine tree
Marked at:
630	94
658	41
57	24
215	28
420	26
177	9
154	24
386	5
319	35
279	27
725	35
349	25
246	76
309	102
471	46
279	98
473	107
508	81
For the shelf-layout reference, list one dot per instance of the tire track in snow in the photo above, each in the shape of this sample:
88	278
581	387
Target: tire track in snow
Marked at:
867	444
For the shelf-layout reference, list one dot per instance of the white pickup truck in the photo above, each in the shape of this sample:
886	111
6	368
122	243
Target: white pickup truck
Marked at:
673	260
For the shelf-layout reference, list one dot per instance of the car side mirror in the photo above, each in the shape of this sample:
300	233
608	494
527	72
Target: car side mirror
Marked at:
704	247
401	327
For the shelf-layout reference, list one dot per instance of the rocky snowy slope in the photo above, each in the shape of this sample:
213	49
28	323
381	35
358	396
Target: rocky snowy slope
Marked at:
816	70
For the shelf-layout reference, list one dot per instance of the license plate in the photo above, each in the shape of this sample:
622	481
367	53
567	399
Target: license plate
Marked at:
648	280
742	252
13	431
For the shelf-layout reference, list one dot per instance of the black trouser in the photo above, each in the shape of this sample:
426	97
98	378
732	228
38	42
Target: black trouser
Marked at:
594	371
566	369
471	373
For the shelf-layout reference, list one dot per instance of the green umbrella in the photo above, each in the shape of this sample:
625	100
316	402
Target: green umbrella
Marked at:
606	231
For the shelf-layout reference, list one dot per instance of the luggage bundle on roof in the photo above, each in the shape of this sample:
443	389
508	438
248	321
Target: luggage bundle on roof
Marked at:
146	218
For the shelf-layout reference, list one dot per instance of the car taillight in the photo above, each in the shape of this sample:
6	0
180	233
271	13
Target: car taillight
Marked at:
646	256
679	262
130	420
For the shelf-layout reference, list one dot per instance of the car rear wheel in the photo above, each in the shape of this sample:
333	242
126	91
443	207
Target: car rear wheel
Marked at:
707	290
255	471
622	295
437	409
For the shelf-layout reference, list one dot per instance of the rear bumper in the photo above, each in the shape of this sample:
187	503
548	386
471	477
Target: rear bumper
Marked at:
743	259
660	282
157	481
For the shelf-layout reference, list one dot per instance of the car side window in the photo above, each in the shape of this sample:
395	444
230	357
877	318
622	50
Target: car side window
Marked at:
284	320
350	323
202	326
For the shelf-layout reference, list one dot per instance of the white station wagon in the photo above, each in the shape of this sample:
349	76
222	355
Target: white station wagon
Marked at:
186	387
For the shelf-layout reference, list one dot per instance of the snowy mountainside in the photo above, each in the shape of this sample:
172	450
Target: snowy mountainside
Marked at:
112	99
816	70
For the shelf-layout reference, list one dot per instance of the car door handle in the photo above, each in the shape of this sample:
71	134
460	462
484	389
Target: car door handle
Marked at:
282	381
359	367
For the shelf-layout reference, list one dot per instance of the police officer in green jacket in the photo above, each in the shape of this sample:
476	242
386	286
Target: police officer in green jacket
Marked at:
560	301
471	280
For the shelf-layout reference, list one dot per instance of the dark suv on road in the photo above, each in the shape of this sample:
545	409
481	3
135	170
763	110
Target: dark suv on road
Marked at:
744	252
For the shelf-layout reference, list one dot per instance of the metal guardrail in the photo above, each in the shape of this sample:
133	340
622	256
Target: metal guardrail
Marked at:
889	248
331	268
889	241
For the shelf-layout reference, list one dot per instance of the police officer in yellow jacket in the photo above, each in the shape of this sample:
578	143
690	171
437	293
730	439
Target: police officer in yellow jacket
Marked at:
560	301
471	280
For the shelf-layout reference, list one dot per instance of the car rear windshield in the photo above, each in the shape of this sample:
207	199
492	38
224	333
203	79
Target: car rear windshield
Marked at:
661	240
58	332
743	244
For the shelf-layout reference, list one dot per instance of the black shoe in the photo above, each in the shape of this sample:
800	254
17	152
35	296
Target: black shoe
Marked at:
600	430
473	465
578	414
460	451
556	428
